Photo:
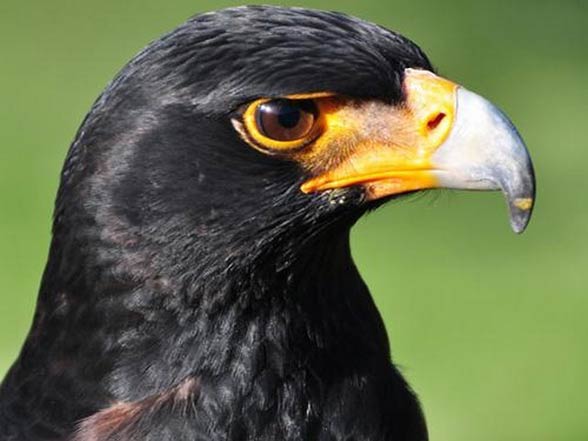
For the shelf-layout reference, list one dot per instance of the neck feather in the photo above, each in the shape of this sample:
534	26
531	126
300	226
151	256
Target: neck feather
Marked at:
139	332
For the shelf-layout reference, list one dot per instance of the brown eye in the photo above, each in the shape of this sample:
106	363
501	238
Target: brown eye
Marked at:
282	125
286	120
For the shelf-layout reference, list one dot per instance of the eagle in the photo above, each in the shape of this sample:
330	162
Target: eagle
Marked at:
200	283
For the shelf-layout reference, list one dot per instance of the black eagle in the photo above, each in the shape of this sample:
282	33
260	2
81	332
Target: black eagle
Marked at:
200	284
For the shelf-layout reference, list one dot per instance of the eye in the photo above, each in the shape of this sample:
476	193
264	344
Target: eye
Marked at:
286	120
281	124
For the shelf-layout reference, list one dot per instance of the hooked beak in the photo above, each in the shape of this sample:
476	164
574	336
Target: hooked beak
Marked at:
443	136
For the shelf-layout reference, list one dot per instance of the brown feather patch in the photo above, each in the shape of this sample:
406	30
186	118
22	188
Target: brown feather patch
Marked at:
118	421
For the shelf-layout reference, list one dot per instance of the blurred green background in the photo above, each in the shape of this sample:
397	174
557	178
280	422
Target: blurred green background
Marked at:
491	329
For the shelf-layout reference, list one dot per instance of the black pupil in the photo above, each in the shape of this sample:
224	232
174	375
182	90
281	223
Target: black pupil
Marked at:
288	114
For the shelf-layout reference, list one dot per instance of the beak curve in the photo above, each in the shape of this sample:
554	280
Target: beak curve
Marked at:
484	151
442	136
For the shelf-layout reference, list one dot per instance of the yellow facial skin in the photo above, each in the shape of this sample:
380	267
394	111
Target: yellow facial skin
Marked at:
393	147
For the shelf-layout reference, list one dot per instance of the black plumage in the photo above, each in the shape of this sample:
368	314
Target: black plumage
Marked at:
192	292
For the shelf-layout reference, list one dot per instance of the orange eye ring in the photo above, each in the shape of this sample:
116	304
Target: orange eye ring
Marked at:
280	125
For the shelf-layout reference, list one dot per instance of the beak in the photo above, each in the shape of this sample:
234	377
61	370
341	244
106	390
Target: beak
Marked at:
443	136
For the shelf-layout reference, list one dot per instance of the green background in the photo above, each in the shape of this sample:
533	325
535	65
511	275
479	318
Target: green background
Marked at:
490	328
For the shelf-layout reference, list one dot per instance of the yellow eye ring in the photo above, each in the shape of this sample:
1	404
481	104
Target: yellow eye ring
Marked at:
280	125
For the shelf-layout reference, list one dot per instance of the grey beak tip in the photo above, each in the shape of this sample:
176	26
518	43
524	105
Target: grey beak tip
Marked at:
520	213
518	225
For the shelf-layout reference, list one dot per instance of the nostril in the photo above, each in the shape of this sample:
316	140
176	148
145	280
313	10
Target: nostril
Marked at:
435	120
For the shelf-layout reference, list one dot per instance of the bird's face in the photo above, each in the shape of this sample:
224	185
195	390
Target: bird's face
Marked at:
265	119
437	135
